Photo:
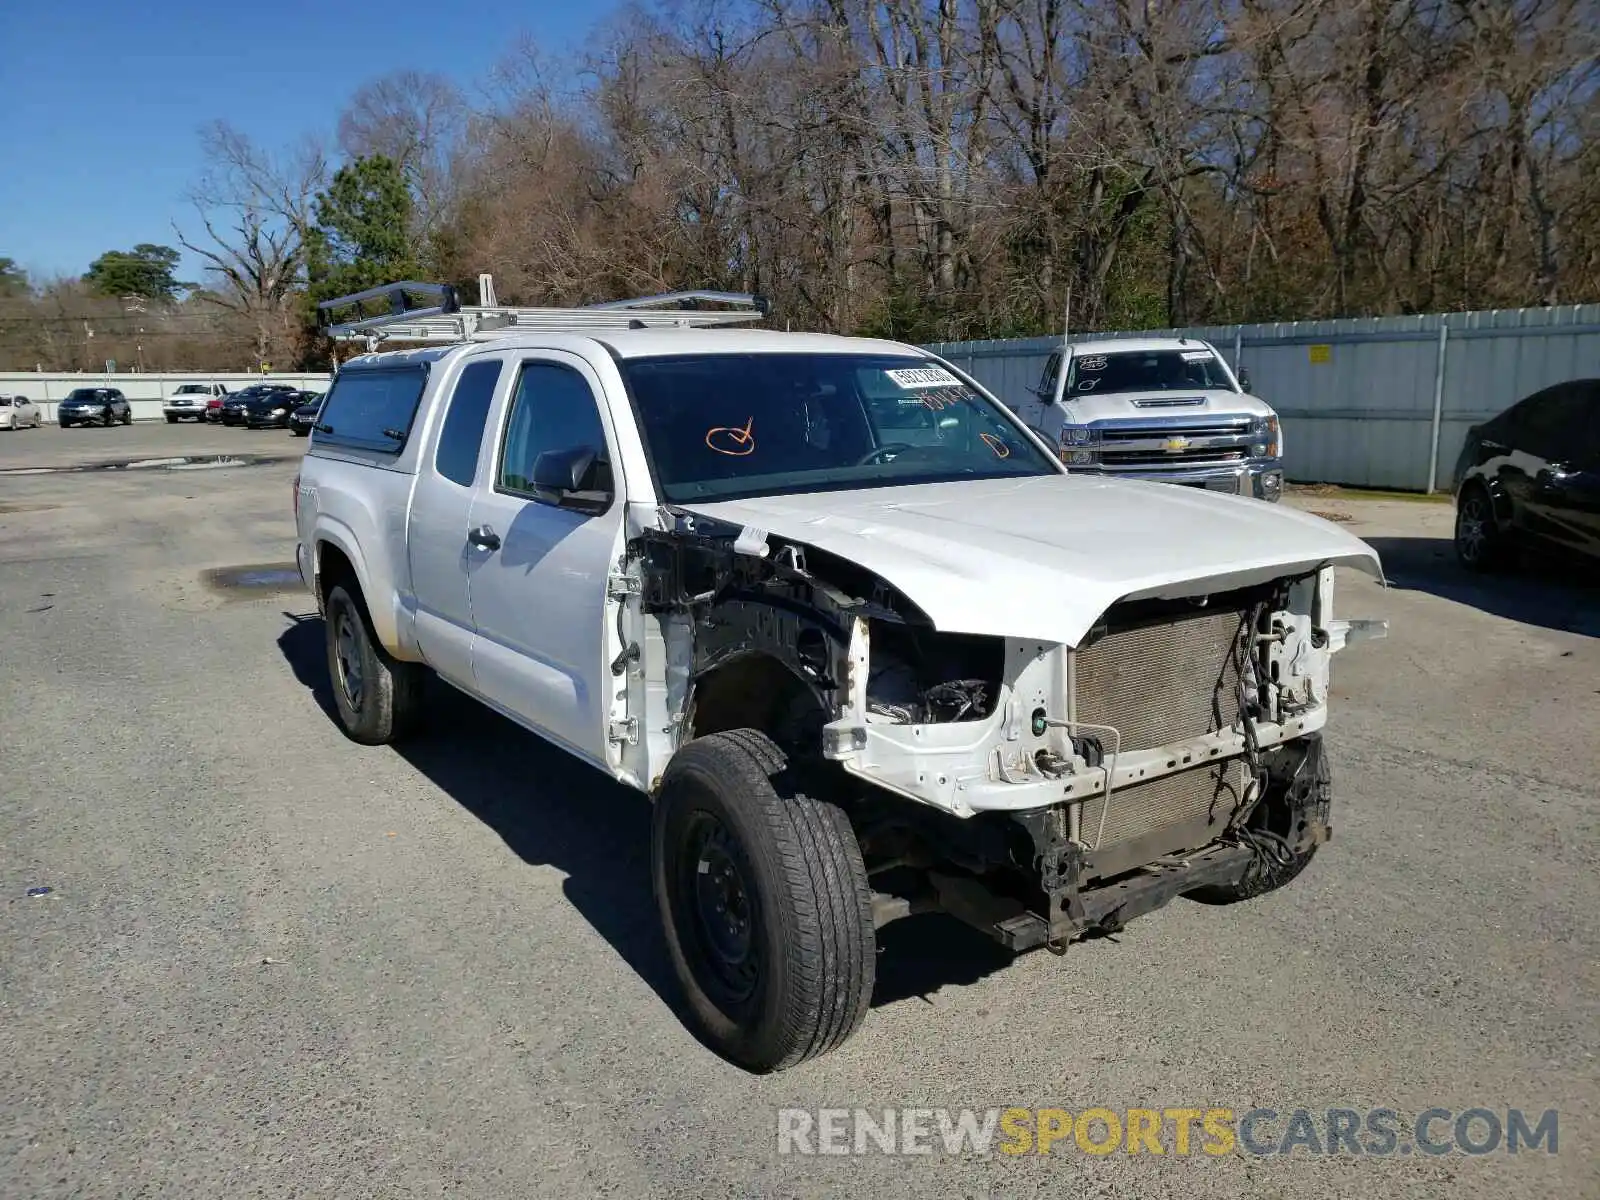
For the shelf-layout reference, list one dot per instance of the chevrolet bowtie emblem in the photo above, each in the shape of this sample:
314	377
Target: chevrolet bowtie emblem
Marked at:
1175	445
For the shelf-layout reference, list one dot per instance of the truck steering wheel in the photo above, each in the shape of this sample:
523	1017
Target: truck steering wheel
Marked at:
886	448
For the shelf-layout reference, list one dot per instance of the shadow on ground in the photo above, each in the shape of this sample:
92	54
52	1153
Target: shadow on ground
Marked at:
549	808
1550	592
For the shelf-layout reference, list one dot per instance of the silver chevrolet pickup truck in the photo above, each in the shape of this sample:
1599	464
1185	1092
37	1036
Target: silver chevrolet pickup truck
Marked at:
1168	409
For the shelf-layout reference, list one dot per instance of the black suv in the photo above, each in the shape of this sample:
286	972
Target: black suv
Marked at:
1531	477
94	406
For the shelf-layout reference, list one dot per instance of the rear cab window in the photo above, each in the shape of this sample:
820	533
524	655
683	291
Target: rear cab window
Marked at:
373	408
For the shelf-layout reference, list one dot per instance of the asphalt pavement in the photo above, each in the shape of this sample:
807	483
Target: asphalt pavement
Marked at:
274	963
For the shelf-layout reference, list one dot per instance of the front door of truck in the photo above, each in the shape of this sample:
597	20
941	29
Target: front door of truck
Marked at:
441	514
540	558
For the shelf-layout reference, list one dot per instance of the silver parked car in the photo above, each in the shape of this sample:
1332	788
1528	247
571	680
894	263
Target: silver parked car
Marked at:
18	412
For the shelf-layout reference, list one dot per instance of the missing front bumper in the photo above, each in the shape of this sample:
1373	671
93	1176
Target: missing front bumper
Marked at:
1070	890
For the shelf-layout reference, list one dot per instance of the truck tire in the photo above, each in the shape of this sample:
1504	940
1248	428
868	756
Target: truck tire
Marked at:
171	420
1284	844
378	697
765	904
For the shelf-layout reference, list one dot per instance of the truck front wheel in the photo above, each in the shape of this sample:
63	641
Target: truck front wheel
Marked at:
765	903
1287	826
378	697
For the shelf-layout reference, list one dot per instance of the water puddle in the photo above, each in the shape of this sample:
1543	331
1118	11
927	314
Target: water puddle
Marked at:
191	462
11	506
256	579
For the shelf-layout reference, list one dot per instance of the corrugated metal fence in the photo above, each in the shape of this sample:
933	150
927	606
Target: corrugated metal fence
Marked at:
1372	402
145	392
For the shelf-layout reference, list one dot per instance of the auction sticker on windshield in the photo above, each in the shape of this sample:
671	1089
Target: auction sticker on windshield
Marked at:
922	377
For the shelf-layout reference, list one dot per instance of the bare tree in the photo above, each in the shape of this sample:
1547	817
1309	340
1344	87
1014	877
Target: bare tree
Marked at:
258	267
239	174
419	119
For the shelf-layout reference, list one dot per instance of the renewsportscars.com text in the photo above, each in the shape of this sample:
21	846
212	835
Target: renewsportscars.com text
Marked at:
1373	1132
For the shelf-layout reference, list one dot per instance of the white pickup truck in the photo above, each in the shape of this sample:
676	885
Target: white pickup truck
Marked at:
857	631
189	401
1162	408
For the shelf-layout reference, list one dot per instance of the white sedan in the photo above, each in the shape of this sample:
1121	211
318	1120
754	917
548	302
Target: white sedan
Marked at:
18	412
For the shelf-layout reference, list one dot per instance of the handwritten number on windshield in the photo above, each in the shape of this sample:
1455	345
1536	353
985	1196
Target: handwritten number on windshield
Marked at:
730	440
1001	450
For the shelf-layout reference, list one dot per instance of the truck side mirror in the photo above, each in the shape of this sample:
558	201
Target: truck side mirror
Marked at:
576	477
563	470
1244	381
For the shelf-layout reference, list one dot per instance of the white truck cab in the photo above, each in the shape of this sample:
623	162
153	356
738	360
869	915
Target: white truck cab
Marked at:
1168	409
868	645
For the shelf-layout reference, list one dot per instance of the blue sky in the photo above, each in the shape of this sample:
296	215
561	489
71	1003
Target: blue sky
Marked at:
102	100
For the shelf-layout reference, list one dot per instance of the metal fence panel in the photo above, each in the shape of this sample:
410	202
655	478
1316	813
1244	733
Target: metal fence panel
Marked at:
1358	396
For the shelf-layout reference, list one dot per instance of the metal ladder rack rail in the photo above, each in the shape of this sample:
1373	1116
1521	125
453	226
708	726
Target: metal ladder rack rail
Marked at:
446	321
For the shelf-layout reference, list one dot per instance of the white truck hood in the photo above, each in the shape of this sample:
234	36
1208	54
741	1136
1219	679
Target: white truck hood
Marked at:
1043	557
1084	407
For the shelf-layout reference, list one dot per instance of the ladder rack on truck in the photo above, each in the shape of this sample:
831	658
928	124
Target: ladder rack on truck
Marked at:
442	318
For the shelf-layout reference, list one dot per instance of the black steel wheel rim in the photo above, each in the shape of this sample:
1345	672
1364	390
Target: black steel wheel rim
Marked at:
347	656
717	910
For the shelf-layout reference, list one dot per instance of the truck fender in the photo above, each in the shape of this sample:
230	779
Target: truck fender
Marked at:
385	622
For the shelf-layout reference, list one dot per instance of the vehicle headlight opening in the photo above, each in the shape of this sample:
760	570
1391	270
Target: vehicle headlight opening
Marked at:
1080	445
1264	431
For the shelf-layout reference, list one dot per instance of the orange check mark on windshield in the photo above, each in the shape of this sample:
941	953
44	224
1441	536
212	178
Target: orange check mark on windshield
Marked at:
728	439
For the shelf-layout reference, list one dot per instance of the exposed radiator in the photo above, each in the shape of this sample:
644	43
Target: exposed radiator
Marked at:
1202	797
1158	683
1162	682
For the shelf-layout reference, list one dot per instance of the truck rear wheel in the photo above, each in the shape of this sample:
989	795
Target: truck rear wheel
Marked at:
765	903
378	696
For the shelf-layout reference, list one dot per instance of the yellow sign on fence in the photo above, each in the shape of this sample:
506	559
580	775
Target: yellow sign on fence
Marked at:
1321	354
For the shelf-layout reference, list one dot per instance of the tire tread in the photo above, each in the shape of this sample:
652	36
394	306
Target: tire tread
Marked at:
830	958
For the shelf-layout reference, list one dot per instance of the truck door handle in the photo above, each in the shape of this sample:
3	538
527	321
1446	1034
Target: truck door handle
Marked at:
483	538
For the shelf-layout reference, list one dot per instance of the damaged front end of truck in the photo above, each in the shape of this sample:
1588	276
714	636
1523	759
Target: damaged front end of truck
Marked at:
1038	789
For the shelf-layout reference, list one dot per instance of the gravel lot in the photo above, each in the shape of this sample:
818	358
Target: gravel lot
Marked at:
275	963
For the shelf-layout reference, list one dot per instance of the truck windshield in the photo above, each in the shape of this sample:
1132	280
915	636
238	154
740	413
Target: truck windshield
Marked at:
1146	371
724	426
192	389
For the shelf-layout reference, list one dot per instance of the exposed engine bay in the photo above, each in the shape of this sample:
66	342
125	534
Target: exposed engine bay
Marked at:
1168	748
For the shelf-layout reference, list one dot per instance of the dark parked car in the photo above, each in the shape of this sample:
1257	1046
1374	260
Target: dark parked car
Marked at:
94	406
267	410
303	418
1531	477
233	407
